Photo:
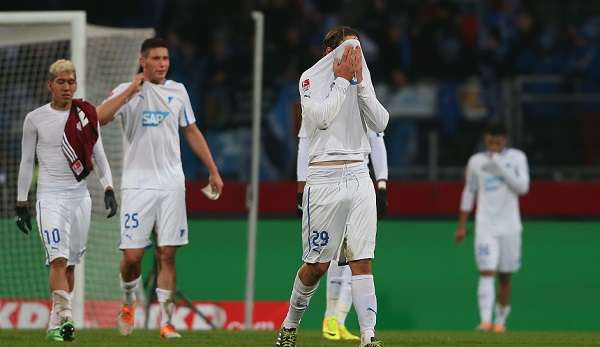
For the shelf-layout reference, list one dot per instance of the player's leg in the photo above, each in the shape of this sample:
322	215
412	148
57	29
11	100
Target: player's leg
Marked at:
503	302
344	304
137	221
53	226
360	243
509	262
334	284
486	256
171	232
165	288
70	272
322	234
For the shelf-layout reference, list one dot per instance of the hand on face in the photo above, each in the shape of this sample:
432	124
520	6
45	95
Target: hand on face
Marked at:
357	64
350	65
344	67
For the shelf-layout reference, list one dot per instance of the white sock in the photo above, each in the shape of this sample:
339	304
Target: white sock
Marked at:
486	296
61	308
365	303
299	300
334	284
166	305
502	313
344	302
129	289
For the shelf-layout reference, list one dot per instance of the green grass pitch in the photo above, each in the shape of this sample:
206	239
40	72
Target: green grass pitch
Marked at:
308	338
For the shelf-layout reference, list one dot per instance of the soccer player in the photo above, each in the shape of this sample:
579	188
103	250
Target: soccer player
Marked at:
339	278
339	219
152	110
497	177
63	204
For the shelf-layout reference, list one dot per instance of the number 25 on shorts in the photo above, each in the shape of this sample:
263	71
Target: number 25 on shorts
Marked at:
131	220
319	239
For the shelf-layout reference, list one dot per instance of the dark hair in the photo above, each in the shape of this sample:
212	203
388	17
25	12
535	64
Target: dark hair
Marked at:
335	36
154	42
495	128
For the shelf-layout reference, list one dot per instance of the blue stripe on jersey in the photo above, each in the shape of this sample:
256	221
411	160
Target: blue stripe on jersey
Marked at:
187	122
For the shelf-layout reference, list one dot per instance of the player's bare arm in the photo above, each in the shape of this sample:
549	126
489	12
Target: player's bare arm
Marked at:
106	111
461	230
198	144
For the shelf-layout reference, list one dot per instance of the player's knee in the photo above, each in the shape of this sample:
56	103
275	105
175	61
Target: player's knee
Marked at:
316	271
487	273
59	263
132	258
504	278
361	267
166	256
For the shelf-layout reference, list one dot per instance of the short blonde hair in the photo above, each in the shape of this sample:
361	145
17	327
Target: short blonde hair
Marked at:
60	66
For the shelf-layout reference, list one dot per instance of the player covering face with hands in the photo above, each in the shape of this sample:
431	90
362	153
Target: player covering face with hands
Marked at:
65	136
339	278
339	219
152	111
496	178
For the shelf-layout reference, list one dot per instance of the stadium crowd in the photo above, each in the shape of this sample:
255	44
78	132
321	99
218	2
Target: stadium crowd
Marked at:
437	65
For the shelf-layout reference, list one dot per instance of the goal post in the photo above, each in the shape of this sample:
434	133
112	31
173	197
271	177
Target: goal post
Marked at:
103	57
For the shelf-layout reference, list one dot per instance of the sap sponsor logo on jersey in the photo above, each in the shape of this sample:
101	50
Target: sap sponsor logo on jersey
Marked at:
153	118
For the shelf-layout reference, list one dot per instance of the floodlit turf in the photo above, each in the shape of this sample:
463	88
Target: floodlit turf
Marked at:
306	339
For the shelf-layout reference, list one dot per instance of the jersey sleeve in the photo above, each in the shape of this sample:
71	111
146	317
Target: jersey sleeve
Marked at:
322	112
102	167
517	176
378	155
302	160
469	192
186	115
375	115
28	144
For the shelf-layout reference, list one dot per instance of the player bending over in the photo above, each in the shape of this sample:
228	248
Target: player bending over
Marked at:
497	177
65	136
152	110
339	220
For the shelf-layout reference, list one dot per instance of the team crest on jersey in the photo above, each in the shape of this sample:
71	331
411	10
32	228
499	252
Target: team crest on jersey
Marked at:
153	118
77	167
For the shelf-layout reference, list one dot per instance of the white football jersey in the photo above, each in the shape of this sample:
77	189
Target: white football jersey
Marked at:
43	131
378	155
497	181
151	120
336	114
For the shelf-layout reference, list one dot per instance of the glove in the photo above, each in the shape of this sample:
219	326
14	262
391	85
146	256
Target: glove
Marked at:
381	201
23	218
110	202
299	204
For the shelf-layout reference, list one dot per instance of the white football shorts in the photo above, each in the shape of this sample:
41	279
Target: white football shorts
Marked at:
339	220
143	210
63	224
498	252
